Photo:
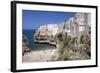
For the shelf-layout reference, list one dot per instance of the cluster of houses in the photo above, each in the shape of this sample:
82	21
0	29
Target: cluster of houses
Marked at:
81	22
49	29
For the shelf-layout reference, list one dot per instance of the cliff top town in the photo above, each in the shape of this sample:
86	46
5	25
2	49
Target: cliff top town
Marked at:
74	27
72	38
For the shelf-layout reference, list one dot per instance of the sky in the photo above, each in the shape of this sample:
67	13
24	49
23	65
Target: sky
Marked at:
32	19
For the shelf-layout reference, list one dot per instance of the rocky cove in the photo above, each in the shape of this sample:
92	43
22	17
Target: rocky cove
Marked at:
33	51
45	55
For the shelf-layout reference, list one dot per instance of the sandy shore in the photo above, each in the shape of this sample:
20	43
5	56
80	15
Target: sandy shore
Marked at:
40	56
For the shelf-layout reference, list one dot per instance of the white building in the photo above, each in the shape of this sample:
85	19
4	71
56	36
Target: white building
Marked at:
49	29
61	26
81	22
53	28
70	25
42	27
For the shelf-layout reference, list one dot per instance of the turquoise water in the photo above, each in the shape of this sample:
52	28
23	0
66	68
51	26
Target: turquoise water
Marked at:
36	46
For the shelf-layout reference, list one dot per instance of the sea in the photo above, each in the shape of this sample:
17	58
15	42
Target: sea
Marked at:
33	45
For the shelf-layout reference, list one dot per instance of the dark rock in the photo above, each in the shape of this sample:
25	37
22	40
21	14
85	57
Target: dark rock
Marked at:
25	48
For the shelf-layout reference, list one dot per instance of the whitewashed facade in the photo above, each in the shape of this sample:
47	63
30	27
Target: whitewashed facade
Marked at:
81	22
53	28
49	29
84	22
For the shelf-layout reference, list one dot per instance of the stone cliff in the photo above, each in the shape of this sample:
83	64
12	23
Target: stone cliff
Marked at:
25	47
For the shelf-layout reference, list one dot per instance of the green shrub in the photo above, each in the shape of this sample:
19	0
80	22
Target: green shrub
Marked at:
67	47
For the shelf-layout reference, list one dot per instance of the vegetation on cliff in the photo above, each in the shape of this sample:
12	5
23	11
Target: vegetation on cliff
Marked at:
74	48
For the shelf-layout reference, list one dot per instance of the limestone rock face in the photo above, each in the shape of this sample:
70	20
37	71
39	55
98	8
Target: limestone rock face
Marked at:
25	48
